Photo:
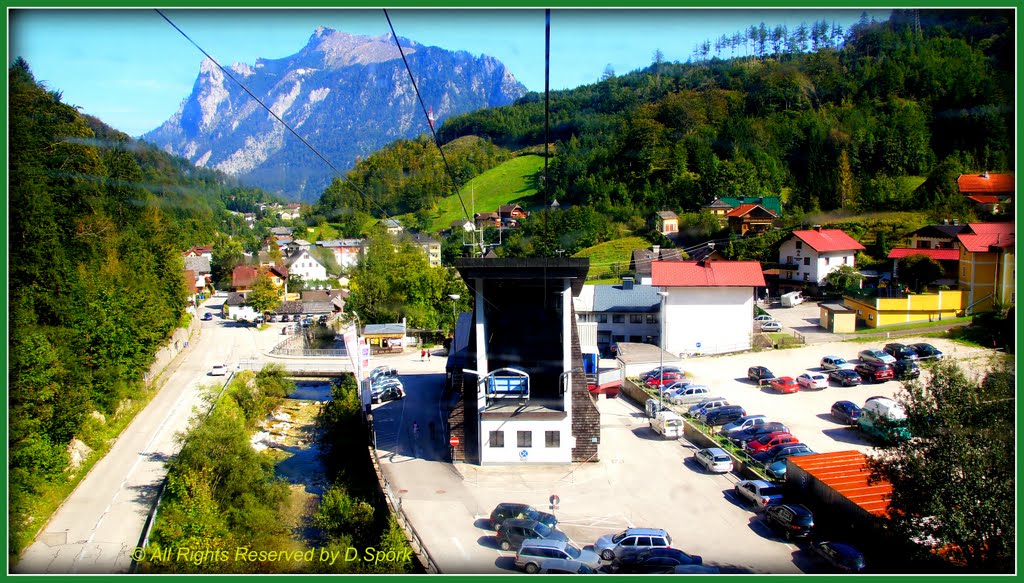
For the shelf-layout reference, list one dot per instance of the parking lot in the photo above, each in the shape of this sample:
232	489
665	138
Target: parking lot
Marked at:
806	412
640	479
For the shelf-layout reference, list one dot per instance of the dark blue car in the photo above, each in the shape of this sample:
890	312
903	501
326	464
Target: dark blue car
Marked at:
779	452
846	412
840	555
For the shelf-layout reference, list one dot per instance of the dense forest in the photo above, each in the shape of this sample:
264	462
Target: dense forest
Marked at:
826	120
98	224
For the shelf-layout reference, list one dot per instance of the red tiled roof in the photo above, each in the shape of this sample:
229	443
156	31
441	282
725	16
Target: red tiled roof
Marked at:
828	240
984	198
846	473
280	270
746	208
936	254
708	274
976	183
986	235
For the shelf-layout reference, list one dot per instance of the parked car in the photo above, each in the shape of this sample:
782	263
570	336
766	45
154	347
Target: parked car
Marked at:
657	371
877	356
659	560
875	372
840	555
771	327
709	403
900	351
507	510
722	415
774	454
664	380
905	369
535	551
845	377
689	394
926	351
676	386
285	317
768	441
763	318
884	419
208	316
631	541
760	374
668	424
834	363
791	520
740	438
784	385
387	393
382	383
714	460
565	567
759	493
219	370
745	422
382	371
514	531
845	412
812	380
777	469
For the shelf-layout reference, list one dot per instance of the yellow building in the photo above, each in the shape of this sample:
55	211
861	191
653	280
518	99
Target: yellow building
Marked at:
668	223
908	308
987	270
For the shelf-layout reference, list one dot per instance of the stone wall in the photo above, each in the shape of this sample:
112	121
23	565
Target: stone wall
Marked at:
586	419
179	339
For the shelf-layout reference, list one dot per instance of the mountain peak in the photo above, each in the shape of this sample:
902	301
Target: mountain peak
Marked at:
342	49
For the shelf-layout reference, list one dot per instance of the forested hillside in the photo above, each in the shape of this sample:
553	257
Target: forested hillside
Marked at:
830	121
98	225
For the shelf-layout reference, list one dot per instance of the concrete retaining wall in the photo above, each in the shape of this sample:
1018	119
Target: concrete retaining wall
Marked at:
179	339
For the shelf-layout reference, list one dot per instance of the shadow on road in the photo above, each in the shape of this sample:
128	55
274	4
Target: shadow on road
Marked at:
488	541
506	563
846	435
483	523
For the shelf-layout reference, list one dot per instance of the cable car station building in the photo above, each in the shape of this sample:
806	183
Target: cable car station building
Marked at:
524	396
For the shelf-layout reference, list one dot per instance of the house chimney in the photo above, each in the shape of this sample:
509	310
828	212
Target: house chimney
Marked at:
817	228
627	283
984	174
956	221
657	251
945	221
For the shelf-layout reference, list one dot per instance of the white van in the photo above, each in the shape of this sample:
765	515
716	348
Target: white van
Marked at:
668	424
791	299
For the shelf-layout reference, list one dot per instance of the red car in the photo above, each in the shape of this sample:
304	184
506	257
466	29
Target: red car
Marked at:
771	440
667	379
784	385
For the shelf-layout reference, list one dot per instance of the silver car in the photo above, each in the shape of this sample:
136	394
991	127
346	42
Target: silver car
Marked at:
759	493
714	460
631	541
745	422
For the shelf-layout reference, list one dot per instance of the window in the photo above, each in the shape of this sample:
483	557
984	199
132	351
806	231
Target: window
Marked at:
846	260
826	260
524	439
552	439
799	244
652	319
636	318
636	338
807	277
807	260
618	318
496	439
963	272
789	260
871	316
602	318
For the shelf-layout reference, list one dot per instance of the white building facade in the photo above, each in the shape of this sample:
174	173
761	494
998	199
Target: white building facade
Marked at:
708	306
305	265
809	256
347	252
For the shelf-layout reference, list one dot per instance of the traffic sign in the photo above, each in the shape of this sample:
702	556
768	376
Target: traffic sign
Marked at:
454	441
554	499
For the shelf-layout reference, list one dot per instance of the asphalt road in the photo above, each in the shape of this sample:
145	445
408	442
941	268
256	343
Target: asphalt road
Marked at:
97	527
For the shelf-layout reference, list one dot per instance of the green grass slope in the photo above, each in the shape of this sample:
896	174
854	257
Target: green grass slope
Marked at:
514	181
610	258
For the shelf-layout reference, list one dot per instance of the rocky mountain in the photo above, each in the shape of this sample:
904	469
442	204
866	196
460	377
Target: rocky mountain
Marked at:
346	95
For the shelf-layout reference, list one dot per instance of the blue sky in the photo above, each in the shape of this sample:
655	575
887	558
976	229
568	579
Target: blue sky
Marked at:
132	70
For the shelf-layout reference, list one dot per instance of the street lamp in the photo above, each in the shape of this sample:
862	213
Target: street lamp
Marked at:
661	352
